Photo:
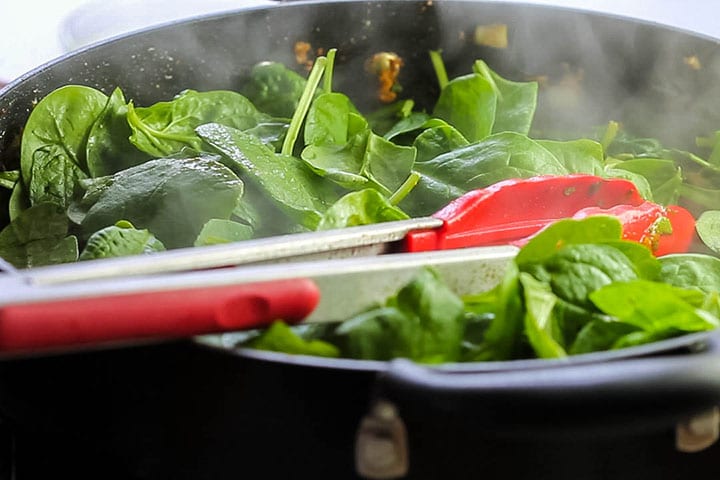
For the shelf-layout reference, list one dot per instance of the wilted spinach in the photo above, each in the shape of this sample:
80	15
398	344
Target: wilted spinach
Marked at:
167	127
119	240
172	198
53	158
38	236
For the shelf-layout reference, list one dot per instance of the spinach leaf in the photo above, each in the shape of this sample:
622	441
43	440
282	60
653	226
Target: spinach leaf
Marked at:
173	198
167	127
9	178
577	156
640	181
599	335
363	207
478	165
652	306
108	149
218	230
504	337
18	202
414	121
516	101
285	180
468	103
577	270
342	148
274	89
436	141
568	232
663	176
540	323
119	240
691	270
38	236
53	144
329	122
424	322
281	338
708	229
386	164
264	216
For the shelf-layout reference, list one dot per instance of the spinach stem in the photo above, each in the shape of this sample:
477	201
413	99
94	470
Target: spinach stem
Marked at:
610	133
327	85
439	66
405	188
303	105
481	68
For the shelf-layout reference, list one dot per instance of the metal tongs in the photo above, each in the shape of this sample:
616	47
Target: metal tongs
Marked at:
324	276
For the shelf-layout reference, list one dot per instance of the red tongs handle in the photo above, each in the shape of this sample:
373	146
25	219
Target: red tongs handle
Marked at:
159	314
514	209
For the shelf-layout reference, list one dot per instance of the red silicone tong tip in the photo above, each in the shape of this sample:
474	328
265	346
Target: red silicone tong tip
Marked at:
514	209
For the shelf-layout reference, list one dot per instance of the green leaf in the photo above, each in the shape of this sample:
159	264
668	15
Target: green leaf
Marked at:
577	156
414	121
540	323
274	89
691	270
468	103
328	120
641	183
38	236
568	232
108	149
9	178
53	145
218	230
286	181
653	306
663	176
424	322
436	141
167	127
499	157
120	240
505	335
363	207
173	198
708	229
58	128
281	338
577	270
600	335
516	101
386	164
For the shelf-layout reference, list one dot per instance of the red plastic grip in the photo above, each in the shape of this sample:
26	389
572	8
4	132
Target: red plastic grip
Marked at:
161	314
515	209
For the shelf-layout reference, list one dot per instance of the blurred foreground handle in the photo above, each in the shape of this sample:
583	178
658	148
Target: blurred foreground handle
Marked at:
158	314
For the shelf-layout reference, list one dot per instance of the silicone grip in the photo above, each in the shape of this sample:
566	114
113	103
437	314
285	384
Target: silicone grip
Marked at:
161	314
514	209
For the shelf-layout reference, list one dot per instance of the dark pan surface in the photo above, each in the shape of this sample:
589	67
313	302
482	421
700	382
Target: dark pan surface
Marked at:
185	411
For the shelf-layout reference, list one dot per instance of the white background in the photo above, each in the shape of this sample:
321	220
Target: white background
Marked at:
35	31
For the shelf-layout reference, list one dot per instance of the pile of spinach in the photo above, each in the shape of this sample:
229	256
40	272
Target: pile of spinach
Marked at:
101	177
577	287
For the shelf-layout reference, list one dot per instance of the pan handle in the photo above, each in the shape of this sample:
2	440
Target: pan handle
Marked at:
634	394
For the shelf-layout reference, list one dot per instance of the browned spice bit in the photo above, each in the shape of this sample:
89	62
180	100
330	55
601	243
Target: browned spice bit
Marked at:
693	62
386	65
494	35
302	54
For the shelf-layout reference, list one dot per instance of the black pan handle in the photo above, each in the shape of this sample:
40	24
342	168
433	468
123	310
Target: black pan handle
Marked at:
611	399
631	395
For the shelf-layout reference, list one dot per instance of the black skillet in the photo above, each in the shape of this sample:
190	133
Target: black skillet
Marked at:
194	410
